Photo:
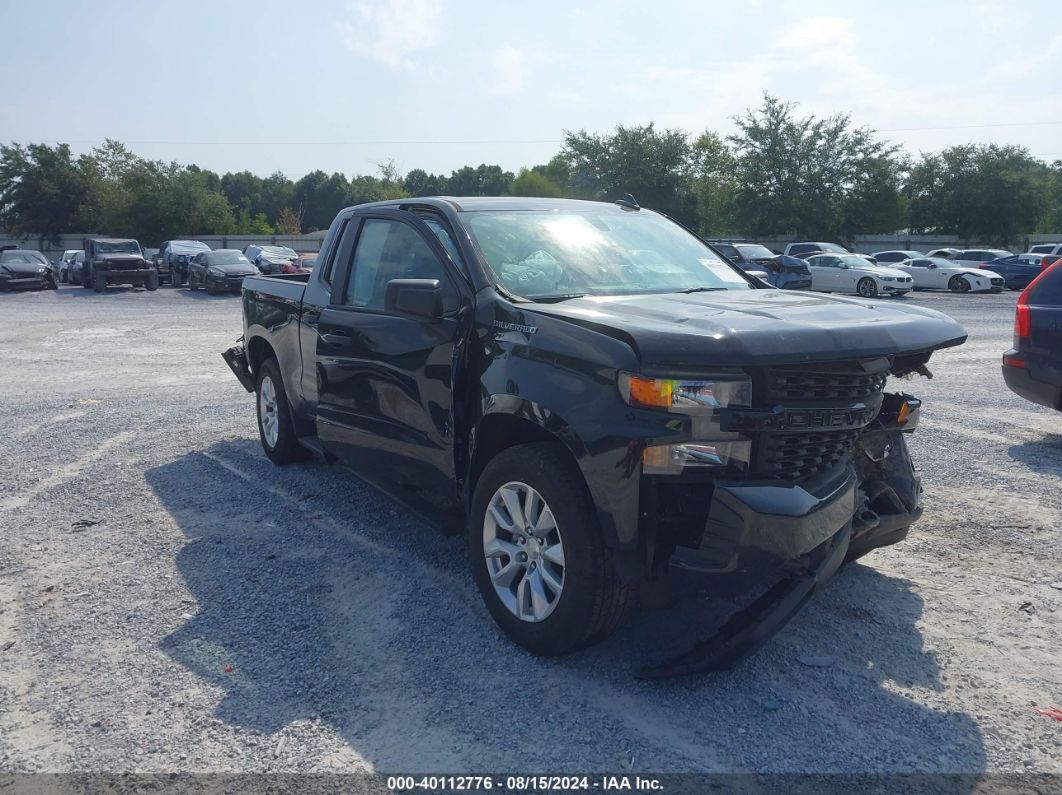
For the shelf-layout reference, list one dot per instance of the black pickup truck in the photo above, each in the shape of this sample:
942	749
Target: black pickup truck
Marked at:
605	406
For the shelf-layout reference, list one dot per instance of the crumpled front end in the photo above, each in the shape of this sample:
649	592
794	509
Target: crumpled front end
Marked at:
828	478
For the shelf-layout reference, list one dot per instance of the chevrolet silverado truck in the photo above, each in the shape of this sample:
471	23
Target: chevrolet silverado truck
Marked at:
603	405
111	260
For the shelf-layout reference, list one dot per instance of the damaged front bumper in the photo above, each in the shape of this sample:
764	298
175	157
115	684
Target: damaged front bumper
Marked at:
796	536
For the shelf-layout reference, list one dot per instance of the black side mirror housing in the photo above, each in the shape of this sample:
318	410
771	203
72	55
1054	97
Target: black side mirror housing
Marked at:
417	297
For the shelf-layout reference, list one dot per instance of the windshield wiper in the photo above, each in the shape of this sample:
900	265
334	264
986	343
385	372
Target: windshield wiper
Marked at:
701	289
552	299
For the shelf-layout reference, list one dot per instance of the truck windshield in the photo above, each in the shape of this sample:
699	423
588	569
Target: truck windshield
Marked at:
553	255
755	251
116	247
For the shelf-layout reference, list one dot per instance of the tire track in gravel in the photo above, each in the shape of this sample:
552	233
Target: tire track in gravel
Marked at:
65	473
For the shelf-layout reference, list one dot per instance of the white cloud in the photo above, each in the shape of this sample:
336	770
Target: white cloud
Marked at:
512	68
391	32
818	33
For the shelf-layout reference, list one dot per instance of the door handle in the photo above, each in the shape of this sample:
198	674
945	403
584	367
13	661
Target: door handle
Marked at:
335	339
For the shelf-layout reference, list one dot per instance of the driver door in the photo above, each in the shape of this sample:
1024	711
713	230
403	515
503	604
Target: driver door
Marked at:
386	377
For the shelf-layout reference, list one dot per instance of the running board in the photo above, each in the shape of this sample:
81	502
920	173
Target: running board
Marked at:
747	630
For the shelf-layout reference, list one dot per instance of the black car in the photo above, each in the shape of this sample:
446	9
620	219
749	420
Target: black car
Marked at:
600	401
1033	367
219	271
26	269
1017	270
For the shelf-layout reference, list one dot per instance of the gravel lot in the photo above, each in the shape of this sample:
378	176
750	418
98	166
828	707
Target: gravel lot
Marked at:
171	601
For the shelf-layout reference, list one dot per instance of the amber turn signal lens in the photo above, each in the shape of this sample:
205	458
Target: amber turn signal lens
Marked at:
650	392
903	413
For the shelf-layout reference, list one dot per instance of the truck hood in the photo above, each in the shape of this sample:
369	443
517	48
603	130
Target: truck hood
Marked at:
736	328
118	257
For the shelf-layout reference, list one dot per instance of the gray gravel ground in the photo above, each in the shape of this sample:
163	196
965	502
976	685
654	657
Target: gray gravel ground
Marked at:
221	614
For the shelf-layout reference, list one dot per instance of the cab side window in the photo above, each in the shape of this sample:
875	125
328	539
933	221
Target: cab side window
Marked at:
387	250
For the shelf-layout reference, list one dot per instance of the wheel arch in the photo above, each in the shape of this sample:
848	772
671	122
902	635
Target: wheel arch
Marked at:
258	350
499	430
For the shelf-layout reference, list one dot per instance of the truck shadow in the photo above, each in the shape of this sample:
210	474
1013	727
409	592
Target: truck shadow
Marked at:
1043	455
318	599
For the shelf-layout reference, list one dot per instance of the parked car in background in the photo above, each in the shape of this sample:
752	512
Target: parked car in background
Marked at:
1033	367
803	250
1046	248
1017	270
937	273
174	257
886	257
75	269
304	264
219	271
944	253
975	257
26	269
270	259
786	273
852	273
110	260
64	264
150	254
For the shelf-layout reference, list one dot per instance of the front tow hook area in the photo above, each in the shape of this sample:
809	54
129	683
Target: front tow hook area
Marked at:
748	629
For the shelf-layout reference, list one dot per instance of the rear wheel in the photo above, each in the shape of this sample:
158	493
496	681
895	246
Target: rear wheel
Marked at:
151	281
959	285
867	287
537	553
275	427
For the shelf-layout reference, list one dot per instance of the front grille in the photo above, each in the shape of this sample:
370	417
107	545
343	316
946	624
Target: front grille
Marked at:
792	386
794	455
798	456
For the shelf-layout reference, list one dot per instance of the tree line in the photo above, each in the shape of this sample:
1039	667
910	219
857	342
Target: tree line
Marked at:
778	173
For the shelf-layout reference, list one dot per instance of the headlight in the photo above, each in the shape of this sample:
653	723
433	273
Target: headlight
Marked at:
698	399
887	278
686	396
216	272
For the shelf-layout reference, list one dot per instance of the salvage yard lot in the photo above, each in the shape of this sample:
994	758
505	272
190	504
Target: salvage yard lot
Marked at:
170	600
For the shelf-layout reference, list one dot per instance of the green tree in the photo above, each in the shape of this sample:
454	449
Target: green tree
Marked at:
797	175
711	180
982	192
532	183
648	163
419	182
483	180
43	190
321	197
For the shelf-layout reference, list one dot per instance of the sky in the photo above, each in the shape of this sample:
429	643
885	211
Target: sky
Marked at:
437	84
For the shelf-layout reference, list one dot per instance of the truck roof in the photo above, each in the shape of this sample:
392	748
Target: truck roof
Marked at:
502	203
112	240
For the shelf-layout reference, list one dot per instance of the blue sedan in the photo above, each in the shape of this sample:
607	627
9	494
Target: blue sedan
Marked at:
1017	270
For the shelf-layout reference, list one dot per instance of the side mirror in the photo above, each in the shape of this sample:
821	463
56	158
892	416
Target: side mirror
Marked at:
932	267
844	266
418	297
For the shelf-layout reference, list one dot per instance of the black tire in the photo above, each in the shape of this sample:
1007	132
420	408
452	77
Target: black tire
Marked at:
191	281
957	284
151	282
867	288
53	283
209	289
86	279
286	449
593	600
99	282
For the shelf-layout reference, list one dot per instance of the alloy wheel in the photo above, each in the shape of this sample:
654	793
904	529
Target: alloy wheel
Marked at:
524	552
268	411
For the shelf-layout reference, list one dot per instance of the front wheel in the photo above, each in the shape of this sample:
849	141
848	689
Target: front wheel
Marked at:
538	555
151	281
99	282
276	430
959	285
867	288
